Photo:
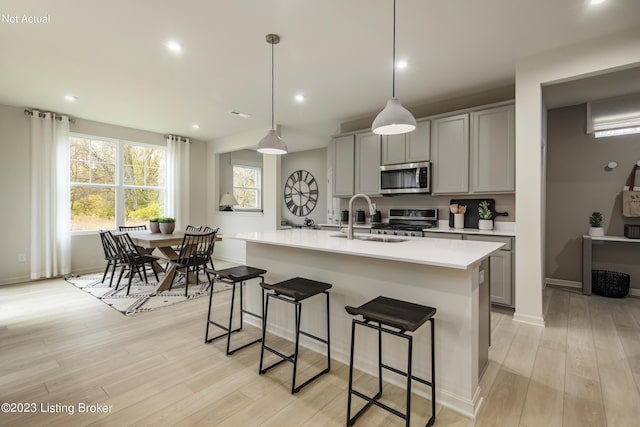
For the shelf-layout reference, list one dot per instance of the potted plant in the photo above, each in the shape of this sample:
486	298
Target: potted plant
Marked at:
485	222
154	226
595	220
167	225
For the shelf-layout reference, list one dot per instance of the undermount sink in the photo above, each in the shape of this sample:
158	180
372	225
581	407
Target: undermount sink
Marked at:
369	238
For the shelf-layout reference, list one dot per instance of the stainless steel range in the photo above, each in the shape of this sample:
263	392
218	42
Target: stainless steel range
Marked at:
407	222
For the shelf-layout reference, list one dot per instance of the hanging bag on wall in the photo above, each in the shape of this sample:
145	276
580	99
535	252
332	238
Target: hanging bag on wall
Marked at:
631	196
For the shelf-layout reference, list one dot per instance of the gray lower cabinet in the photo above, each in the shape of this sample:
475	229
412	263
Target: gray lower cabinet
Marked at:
502	289
451	236
343	161
450	154
501	264
493	144
409	147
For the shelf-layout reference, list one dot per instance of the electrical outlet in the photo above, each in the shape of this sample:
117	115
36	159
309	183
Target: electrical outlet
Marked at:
22	258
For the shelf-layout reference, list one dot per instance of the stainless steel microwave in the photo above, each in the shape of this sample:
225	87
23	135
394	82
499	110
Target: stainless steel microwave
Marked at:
405	178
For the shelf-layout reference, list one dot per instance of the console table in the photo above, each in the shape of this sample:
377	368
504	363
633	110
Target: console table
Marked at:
587	251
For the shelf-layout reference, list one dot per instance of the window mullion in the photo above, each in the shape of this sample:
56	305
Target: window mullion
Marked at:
120	185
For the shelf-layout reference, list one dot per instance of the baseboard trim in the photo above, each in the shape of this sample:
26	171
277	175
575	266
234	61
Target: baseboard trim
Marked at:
563	283
14	280
528	319
228	259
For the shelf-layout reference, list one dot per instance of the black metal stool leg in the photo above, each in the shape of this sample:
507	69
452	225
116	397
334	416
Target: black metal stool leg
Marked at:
229	329
298	316
409	377
353	335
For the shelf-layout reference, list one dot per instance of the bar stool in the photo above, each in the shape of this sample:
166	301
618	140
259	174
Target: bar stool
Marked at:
378	314
232	276
294	291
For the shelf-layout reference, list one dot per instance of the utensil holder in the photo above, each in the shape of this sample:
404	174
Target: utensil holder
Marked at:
458	220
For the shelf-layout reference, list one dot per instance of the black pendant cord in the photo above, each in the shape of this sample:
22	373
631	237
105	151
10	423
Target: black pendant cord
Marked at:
393	78
272	89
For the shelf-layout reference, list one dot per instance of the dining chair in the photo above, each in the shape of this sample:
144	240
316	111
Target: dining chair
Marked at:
131	228
110	255
195	252
132	259
194	228
207	229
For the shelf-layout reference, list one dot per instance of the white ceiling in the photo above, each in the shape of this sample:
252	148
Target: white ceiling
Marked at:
111	55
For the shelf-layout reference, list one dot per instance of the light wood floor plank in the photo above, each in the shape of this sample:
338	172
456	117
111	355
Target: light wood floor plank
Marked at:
58	344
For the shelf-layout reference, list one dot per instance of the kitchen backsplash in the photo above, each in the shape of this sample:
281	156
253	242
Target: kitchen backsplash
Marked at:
504	203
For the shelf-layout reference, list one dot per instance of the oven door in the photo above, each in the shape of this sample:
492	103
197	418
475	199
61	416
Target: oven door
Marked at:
405	178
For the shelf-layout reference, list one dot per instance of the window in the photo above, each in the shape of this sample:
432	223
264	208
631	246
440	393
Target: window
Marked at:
114	183
246	187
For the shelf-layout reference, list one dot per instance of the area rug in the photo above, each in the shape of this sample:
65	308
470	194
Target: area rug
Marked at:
141	298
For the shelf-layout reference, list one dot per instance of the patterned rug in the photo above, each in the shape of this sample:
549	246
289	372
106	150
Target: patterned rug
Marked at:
141	298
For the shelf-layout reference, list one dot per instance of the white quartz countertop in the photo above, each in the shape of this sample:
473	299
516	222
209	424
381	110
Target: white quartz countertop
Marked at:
500	228
460	254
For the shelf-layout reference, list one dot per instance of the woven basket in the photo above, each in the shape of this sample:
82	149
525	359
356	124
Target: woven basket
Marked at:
610	284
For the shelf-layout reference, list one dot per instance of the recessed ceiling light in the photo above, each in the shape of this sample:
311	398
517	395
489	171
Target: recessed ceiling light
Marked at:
70	98
195	126
594	2
240	114
401	65
300	97
174	46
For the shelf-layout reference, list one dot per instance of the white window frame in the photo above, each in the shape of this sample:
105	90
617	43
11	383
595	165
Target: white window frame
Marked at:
119	187
258	187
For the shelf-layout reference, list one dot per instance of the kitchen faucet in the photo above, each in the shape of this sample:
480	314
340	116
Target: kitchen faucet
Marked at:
372	211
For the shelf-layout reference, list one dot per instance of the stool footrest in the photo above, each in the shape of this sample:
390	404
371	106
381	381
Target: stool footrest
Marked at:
374	401
404	374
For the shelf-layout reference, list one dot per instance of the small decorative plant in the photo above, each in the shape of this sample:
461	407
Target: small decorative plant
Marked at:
154	226
167	225
484	211
595	219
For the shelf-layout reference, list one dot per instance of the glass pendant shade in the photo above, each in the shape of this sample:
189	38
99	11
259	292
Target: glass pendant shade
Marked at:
393	120
272	144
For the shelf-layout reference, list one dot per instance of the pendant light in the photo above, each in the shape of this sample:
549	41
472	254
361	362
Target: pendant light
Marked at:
272	143
394	119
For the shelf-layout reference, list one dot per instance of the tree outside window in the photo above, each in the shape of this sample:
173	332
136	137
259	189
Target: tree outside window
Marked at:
114	183
247	184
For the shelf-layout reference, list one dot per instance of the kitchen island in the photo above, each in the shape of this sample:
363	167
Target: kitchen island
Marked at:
450	275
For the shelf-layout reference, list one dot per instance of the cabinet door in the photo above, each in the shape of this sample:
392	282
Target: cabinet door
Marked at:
367	166
393	149
493	150
418	143
450	154
343	161
501	278
437	235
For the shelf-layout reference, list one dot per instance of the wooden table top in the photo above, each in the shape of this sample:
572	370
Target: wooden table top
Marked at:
147	239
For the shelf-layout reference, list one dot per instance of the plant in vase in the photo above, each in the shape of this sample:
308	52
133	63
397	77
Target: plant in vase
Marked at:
595	220
154	225
484	211
167	225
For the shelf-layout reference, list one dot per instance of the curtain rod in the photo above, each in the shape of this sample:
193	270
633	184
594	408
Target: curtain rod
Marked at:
29	112
179	138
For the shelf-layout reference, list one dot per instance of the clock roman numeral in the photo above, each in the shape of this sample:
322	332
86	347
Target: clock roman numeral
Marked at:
289	204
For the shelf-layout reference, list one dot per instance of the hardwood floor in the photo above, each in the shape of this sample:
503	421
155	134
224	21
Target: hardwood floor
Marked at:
60	346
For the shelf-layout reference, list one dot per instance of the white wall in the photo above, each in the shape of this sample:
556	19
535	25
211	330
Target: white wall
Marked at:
593	57
238	222
314	162
15	187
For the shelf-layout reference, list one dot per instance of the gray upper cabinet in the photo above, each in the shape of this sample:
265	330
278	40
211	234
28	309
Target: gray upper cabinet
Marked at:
409	147
343	161
450	154
367	164
492	164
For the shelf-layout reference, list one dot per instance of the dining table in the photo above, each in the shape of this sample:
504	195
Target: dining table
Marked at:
162	246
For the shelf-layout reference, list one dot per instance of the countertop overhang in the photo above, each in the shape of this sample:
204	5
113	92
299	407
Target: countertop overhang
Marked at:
459	254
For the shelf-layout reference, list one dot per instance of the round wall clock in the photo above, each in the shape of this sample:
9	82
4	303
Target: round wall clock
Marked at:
301	193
